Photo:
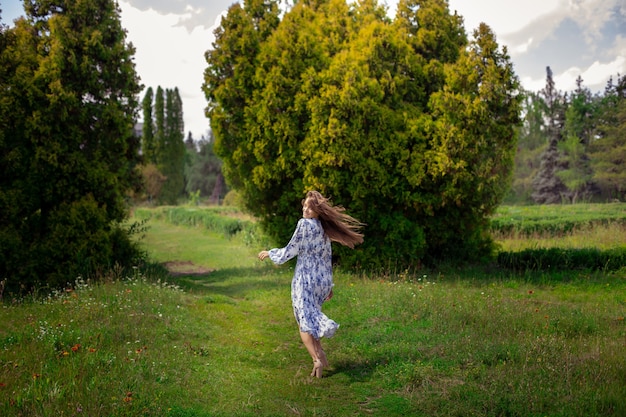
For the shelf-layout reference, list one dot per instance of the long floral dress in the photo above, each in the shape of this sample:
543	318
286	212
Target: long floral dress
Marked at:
313	277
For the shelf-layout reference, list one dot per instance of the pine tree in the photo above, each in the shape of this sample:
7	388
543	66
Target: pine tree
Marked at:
607	151
578	130
548	188
531	144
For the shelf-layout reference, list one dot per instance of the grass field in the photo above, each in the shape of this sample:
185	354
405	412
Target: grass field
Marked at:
219	339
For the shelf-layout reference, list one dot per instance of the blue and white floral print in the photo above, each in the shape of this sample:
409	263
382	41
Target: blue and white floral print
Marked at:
313	277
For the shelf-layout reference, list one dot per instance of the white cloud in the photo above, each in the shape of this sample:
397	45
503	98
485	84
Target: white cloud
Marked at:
168	55
503	17
594	76
521	48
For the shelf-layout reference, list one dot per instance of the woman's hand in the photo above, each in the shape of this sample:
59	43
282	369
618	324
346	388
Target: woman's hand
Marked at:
263	254
329	296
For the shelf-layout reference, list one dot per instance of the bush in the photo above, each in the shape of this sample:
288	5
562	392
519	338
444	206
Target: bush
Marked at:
79	242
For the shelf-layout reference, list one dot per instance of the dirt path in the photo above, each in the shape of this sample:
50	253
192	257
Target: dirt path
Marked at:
178	268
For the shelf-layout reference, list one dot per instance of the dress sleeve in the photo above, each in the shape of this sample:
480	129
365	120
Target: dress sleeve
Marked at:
282	255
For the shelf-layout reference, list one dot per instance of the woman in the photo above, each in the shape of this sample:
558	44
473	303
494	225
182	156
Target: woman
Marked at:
312	282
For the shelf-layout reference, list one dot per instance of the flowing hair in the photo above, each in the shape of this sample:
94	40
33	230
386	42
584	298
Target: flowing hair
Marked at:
338	226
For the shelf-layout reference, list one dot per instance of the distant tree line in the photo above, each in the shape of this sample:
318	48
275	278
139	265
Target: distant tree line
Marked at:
572	146
175	168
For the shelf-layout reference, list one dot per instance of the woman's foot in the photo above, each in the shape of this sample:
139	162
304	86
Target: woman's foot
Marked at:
317	369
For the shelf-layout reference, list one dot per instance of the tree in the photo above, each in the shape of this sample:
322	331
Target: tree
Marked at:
159	124
607	151
531	144
402	121
548	187
229	82
148	145
152	181
68	150
172	149
578	131
204	172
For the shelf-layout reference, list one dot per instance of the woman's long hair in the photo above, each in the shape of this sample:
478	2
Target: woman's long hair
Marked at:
339	226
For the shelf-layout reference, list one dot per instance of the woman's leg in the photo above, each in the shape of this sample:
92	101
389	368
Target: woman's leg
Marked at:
321	355
311	346
309	343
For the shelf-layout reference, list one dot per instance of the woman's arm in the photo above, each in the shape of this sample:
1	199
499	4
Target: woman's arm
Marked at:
282	255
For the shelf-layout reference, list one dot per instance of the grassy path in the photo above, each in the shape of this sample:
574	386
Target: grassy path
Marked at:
255	362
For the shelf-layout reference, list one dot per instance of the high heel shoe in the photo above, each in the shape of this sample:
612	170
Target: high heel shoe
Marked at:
317	369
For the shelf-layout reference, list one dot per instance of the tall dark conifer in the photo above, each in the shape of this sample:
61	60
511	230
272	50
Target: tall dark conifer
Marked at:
172	153
148	144
548	188
159	124
69	97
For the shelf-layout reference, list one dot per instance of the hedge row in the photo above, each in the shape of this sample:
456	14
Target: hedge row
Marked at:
213	219
556	219
552	259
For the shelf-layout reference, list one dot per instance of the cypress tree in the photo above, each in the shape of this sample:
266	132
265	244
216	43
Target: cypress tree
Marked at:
148	145
68	109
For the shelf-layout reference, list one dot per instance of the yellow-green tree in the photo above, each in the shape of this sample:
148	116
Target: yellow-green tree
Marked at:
402	121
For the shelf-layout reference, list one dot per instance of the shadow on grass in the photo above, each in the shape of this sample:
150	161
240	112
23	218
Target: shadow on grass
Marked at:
231	282
357	369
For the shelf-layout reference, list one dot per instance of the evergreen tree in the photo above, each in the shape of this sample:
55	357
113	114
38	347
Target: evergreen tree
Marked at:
148	145
531	144
204	172
403	122
159	124
608	150
66	141
578	129
229	81
172	152
548	188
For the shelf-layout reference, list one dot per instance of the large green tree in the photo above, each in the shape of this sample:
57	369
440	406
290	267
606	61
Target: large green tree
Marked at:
402	121
67	148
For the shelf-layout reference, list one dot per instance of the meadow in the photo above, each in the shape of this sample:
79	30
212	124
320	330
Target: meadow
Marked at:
215	335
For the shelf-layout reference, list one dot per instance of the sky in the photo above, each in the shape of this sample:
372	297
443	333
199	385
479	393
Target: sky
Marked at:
574	38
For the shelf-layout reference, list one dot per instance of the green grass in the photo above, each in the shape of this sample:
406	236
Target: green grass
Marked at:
223	342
